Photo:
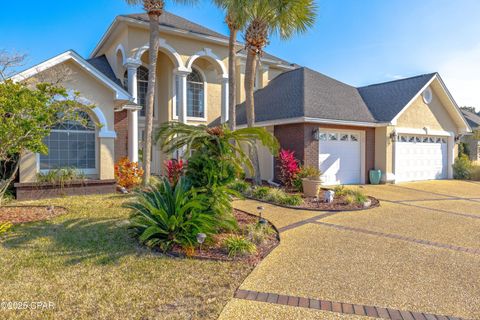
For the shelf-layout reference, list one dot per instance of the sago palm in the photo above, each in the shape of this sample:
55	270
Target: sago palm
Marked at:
235	18
219	141
154	9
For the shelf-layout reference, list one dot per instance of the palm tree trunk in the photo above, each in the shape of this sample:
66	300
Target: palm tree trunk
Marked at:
150	98
250	73
232	79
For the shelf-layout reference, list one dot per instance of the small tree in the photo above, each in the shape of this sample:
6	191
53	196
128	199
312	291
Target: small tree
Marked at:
28	114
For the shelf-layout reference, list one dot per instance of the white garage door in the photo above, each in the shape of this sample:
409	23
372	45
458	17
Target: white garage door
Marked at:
420	158
340	154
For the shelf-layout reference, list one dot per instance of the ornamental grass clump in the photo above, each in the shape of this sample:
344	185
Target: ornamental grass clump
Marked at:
237	245
350	195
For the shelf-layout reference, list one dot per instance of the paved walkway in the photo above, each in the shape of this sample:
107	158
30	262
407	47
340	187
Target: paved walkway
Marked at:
414	257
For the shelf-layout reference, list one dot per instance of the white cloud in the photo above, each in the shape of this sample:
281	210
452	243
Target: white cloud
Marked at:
461	73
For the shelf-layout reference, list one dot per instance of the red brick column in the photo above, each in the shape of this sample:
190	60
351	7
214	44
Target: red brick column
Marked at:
121	128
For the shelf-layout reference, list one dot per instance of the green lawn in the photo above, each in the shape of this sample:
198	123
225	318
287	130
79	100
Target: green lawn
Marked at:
88	266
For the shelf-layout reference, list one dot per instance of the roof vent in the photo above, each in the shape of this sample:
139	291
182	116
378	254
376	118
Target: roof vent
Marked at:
427	95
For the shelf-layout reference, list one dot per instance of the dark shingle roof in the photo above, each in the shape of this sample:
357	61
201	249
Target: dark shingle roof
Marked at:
168	19
307	93
386	100
473	119
102	65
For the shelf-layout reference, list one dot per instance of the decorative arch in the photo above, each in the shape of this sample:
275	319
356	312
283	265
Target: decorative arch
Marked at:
121	48
98	116
212	57
169	50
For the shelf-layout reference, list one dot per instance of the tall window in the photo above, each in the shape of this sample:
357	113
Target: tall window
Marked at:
142	86
195	95
71	144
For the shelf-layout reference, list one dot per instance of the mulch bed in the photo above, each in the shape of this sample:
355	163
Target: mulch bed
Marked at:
215	251
23	214
338	204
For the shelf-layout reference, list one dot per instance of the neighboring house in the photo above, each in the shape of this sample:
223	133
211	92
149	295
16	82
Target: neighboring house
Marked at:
473	140
406	128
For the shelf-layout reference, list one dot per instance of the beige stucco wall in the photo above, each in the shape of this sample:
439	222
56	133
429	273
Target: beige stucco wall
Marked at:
433	116
384	152
99	95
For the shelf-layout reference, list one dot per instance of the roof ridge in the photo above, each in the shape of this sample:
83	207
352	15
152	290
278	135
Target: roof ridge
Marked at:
398	80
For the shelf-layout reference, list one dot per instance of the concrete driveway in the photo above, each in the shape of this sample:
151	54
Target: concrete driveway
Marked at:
417	256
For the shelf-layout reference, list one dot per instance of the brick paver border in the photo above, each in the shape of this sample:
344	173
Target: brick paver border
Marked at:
399	237
408	203
306	221
338	307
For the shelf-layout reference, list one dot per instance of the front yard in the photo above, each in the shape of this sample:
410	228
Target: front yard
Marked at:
88	266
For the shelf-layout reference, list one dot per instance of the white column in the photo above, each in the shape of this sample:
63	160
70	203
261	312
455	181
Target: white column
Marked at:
182	95
132	115
225	105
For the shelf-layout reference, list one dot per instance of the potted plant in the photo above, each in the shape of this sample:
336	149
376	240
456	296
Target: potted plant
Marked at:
311	181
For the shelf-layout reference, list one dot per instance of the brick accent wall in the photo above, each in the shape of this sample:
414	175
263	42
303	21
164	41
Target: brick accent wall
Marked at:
298	138
121	128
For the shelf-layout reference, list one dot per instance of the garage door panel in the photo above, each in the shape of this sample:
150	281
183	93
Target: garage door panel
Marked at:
420	158
339	158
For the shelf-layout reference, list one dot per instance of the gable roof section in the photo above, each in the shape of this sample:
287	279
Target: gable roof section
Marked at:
173	21
386	100
306	93
473	119
101	64
120	92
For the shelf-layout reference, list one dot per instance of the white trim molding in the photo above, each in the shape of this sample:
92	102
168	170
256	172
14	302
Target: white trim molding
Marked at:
316	120
120	93
168	49
208	53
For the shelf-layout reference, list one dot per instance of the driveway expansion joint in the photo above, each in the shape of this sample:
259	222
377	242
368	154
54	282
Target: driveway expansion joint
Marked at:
399	237
338	307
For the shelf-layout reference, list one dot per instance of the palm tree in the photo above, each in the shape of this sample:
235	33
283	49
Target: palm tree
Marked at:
235	19
217	140
154	10
265	18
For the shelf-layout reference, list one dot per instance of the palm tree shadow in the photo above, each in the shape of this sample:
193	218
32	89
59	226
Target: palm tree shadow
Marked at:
100	241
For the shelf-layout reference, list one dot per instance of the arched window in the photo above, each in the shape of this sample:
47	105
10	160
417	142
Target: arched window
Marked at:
142	86
195	95
71	144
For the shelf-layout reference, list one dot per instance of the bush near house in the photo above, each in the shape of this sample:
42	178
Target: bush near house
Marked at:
464	169
128	174
288	166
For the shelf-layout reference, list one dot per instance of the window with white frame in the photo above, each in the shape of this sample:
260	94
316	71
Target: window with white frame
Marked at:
71	144
195	95
142	87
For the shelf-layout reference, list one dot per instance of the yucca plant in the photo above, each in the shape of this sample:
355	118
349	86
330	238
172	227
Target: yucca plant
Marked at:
164	215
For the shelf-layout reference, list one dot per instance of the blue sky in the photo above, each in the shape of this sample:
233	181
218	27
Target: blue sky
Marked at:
355	41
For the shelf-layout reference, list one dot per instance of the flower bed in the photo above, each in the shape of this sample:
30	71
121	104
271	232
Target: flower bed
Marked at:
216	250
345	199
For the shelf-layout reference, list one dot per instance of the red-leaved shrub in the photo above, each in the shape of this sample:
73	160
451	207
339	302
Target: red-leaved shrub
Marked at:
288	167
174	169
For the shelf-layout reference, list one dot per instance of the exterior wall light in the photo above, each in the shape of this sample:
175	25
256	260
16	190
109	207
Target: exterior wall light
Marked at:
394	136
316	134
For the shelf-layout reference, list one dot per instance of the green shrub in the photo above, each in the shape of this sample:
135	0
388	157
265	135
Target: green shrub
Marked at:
238	245
5	227
240	186
260	192
350	195
61	176
275	195
462	168
475	173
164	215
258	233
291	200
